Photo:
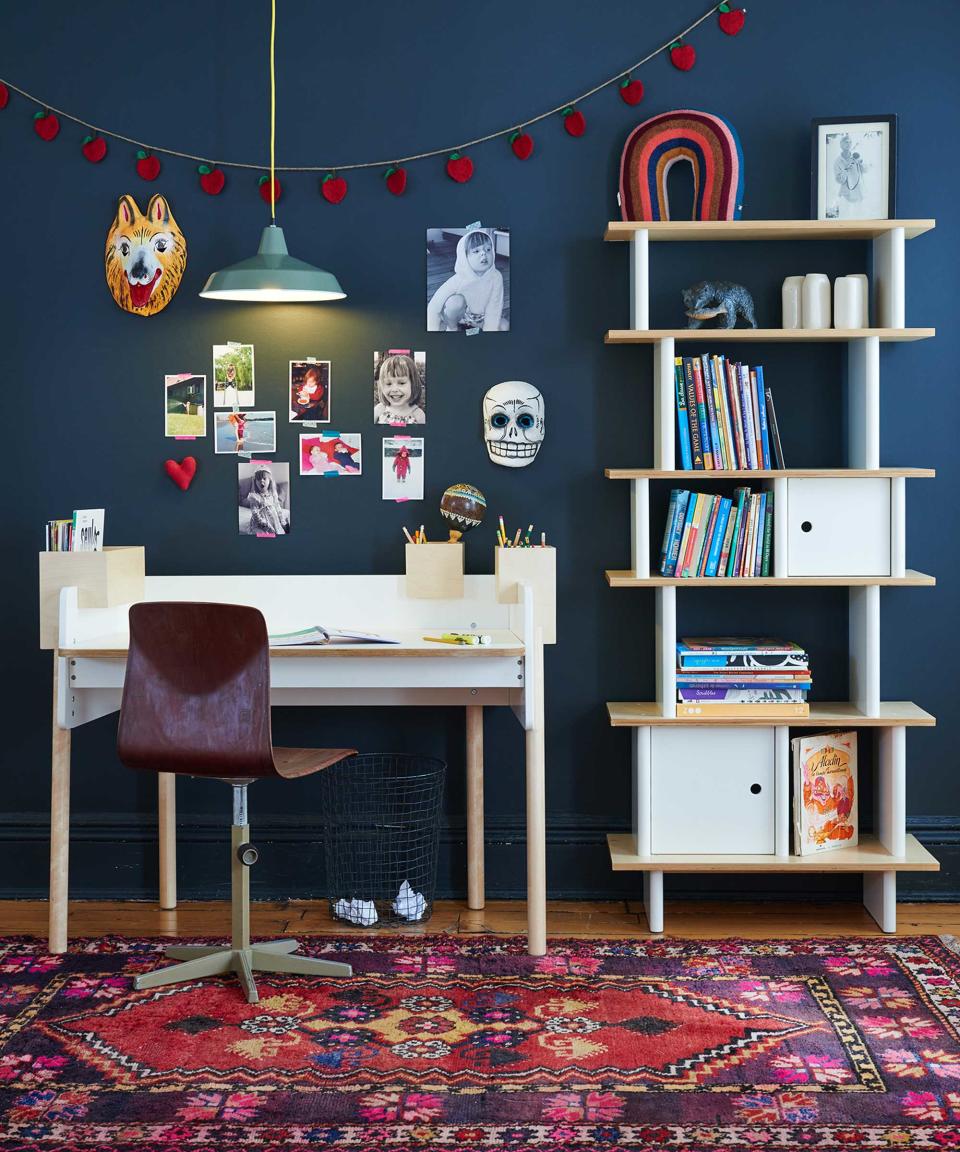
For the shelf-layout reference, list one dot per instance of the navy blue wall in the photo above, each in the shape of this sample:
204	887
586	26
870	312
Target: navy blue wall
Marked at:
82	381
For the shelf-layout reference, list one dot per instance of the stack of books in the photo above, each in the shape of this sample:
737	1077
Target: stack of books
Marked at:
716	536
83	532
725	415
745	677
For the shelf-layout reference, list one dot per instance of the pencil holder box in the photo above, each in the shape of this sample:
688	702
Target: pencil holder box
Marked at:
535	566
104	579
434	571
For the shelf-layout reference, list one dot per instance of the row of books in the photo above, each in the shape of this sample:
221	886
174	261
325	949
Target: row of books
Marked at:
83	532
746	677
715	536
725	415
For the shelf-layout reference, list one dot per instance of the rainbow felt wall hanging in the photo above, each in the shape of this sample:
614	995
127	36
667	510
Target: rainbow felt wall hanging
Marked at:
708	143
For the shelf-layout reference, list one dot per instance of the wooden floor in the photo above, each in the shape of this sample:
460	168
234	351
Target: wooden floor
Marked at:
616	918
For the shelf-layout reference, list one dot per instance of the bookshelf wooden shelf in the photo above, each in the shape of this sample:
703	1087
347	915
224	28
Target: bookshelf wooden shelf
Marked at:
713	230
823	714
870	855
721	785
768	335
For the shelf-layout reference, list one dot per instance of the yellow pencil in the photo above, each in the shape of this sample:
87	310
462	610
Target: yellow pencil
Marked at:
445	640
516	539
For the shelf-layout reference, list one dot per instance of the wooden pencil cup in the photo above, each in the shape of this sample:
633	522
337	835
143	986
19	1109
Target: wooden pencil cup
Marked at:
104	579
535	566
434	571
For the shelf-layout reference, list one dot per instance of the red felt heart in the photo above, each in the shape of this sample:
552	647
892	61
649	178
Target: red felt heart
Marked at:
46	127
94	148
212	180
460	168
397	181
731	22
684	57
334	188
631	91
522	145
181	474
575	122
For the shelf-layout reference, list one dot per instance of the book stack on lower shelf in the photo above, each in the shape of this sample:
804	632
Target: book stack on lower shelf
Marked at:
747	677
710	535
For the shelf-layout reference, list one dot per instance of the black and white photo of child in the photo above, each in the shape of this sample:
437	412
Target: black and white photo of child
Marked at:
263	497
399	387
468	280
403	468
309	391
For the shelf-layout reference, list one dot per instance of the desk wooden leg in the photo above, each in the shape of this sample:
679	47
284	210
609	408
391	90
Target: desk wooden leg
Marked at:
475	846
59	824
536	844
167	825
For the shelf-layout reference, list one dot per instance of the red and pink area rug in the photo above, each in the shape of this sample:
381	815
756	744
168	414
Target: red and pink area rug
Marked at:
467	1043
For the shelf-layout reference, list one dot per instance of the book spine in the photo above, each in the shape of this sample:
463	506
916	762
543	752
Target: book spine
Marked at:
759	531
754	407
746	409
683	499
688	531
740	494
708	535
702	415
762	410
733	391
696	443
719	535
776	446
712	414
683	424
695	530
742	534
668	530
767	537
743	695
727	541
743	711
723	412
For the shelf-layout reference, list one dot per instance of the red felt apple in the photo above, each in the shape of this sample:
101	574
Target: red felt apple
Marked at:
181	473
148	166
94	148
631	91
522	145
459	168
212	179
4	95
265	190
333	187
46	125
396	178
574	122
683	56
731	19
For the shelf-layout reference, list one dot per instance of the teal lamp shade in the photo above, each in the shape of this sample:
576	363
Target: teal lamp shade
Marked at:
273	276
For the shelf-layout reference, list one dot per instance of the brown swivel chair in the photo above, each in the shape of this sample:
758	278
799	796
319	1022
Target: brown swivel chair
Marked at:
196	700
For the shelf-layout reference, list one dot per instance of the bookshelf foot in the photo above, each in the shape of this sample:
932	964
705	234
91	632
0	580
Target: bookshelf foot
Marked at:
880	898
653	900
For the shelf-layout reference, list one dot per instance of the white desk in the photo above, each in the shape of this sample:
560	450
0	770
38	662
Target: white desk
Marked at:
90	661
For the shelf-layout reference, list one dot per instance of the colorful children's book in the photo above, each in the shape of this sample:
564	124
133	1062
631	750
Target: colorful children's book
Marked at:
696	443
683	424
776	448
825	792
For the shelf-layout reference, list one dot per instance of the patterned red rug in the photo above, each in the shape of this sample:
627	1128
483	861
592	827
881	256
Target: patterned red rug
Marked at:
466	1043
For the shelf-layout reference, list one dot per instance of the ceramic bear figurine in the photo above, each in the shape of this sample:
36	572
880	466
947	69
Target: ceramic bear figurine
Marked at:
715	298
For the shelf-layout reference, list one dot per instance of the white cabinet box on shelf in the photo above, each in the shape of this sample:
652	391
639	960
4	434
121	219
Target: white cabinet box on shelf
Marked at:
712	790
840	527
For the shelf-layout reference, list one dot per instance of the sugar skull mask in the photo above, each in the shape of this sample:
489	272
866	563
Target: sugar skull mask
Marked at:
513	423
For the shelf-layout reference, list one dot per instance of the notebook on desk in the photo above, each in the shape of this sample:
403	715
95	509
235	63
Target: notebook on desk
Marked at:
318	635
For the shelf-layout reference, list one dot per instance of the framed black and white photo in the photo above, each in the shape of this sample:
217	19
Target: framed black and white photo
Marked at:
468	280
855	168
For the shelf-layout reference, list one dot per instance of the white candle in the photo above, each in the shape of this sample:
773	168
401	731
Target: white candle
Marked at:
816	300
791	294
847	302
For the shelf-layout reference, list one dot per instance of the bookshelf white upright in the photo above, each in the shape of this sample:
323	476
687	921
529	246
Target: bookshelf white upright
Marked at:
714	796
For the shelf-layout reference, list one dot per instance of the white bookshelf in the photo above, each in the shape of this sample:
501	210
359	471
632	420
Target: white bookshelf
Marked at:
832	527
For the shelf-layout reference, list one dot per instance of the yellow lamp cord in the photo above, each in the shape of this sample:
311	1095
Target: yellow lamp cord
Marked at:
273	108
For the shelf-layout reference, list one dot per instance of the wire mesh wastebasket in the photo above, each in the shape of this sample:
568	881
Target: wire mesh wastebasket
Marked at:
381	814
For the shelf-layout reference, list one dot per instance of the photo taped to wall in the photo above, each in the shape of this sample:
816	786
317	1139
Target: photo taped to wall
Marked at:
468	280
399	387
331	454
403	467
185	405
233	376
244	431
263	497
310	391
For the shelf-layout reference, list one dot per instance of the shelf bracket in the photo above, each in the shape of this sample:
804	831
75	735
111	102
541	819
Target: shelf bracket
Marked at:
640	279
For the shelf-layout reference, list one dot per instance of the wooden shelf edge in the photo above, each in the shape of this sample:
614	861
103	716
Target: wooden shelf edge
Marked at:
783	335
832	714
868	856
624	578
766	473
685	230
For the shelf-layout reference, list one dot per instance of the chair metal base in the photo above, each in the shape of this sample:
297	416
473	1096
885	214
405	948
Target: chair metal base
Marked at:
271	956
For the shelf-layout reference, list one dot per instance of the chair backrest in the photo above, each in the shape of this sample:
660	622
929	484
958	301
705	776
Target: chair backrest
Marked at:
196	698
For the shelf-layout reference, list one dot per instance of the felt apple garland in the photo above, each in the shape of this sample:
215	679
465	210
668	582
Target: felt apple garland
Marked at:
459	167
46	125
574	121
212	179
396	178
4	95
264	184
181	473
94	148
148	166
730	19
333	188
683	56
522	145
631	91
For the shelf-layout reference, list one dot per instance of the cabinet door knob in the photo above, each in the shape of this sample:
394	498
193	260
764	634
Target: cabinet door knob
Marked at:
806	526
756	789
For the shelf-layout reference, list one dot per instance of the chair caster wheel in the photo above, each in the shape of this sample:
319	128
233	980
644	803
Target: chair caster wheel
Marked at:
248	855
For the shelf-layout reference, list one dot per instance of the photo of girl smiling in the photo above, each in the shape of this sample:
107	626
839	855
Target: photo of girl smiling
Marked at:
399	389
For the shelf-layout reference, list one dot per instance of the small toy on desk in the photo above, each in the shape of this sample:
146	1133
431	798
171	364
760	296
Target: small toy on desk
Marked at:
464	506
711	299
461	638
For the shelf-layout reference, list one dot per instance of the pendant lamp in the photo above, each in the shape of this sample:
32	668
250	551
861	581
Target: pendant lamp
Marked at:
273	276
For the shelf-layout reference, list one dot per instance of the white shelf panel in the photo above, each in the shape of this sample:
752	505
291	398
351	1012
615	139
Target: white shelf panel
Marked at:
713	230
823	714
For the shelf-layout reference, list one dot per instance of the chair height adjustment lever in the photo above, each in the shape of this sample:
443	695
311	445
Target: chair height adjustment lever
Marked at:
247	854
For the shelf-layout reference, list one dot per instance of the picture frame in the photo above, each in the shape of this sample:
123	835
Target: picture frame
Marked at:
854	167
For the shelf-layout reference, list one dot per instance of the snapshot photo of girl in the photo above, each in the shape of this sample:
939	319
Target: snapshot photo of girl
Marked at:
403	468
233	384
263	496
310	391
244	432
185	405
399	387
468	280
331	454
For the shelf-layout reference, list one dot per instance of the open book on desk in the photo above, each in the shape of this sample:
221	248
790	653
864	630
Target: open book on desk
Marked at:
318	635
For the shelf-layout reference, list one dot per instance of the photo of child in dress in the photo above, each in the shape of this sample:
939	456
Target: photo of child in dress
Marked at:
468	280
331	454
310	391
403	468
399	387
233	380
244	432
263	495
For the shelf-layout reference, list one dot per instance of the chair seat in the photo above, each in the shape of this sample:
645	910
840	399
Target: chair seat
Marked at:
294	762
